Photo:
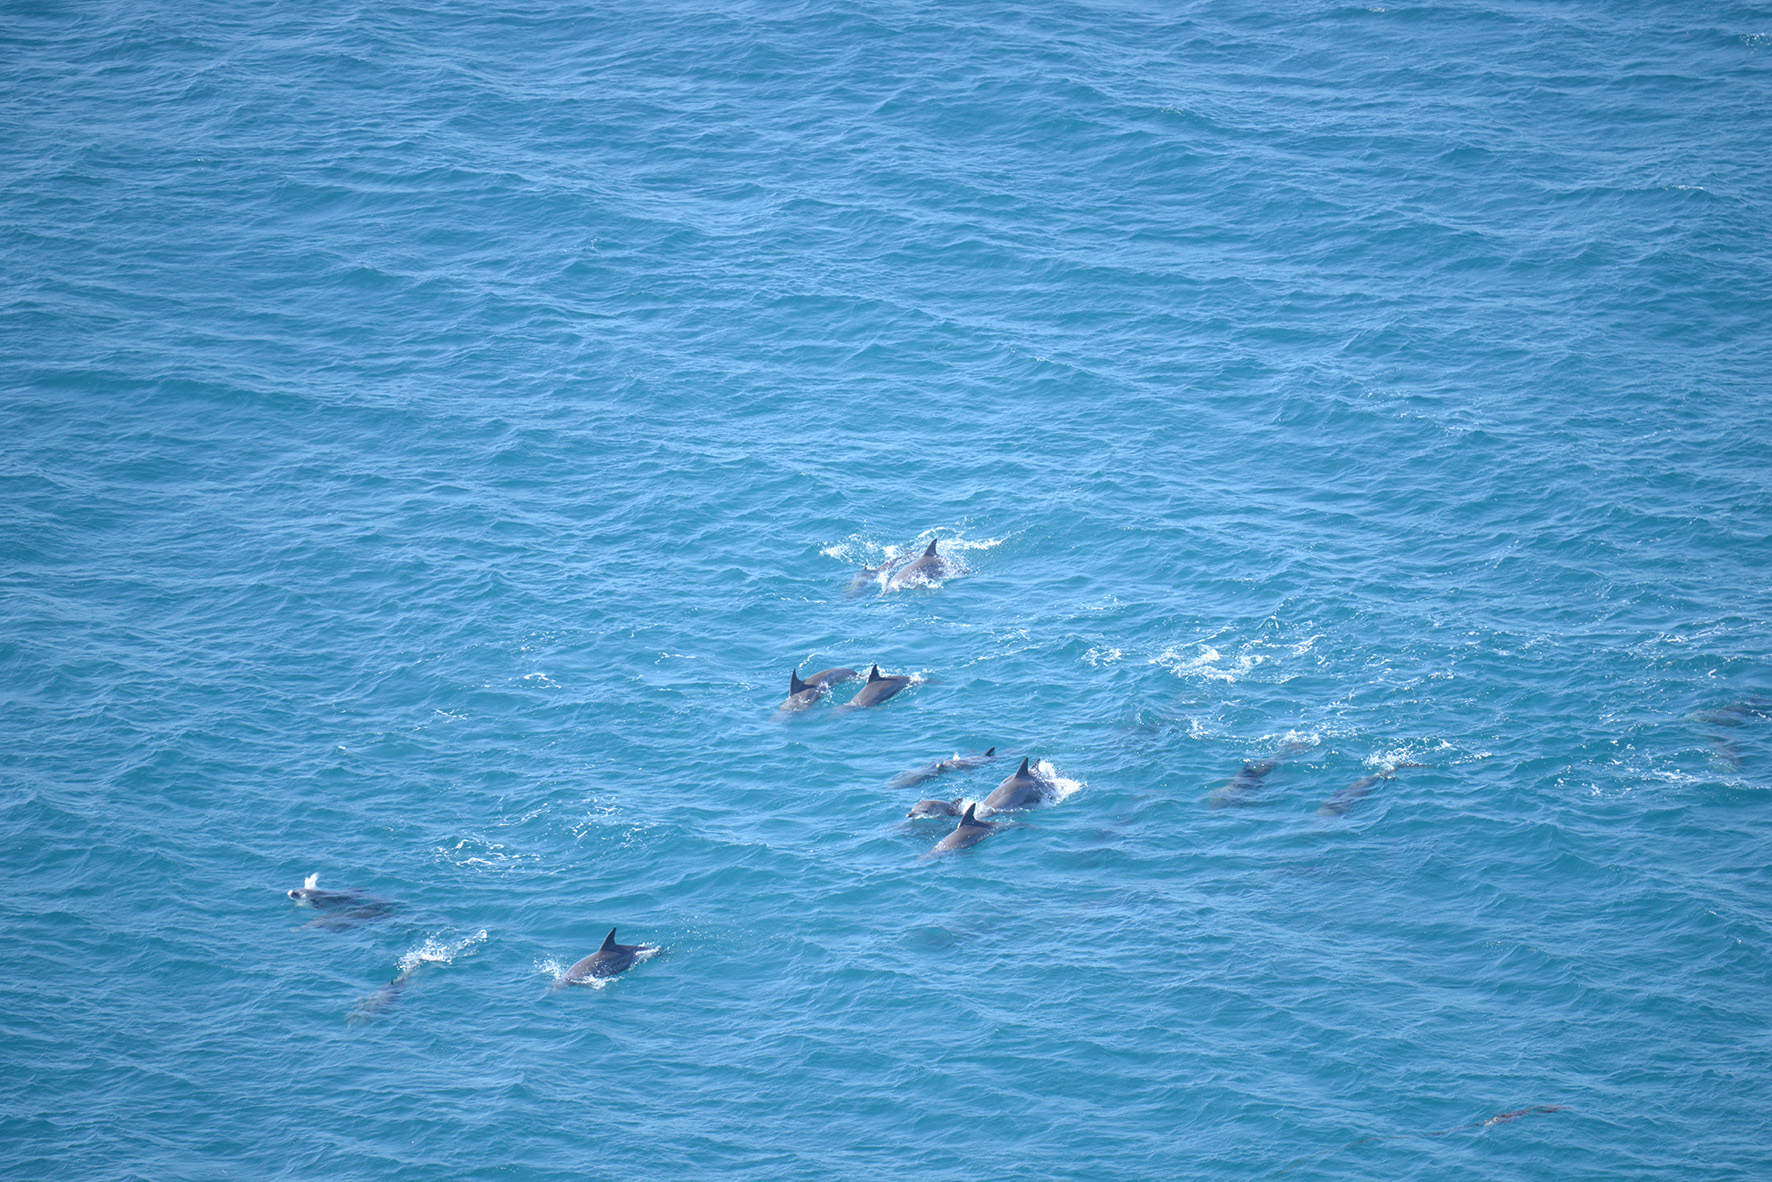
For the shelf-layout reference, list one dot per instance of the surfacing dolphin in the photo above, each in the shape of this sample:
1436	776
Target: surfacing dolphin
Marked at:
930	568
1022	789
929	809
607	961
877	690
868	576
1344	800
341	909
802	694
970	831
953	763
1249	778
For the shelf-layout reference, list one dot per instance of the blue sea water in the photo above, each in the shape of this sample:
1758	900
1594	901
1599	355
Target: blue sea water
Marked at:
430	435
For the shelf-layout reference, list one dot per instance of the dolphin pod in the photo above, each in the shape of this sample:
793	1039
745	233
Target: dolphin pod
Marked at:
607	961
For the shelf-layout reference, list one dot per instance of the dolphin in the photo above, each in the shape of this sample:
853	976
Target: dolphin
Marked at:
1344	800
1249	778
926	569
877	690
953	763
381	999
607	961
1023	789
926	809
802	694
308	894
970	831
866	577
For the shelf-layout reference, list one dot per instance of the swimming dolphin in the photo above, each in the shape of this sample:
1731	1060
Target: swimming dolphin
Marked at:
926	809
1249	777
1344	800
802	694
926	569
953	763
877	690
381	999
342	909
1022	789
866	577
607	961
970	831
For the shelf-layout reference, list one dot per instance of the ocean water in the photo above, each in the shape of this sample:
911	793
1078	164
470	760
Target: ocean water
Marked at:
430	435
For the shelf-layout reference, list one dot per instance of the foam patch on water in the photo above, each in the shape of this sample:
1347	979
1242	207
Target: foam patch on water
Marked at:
483	853
435	951
1208	664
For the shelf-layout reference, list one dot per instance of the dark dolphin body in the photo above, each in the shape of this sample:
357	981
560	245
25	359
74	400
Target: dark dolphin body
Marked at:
382	999
342	909
954	763
802	694
1021	790
1249	778
867	576
926	809
877	690
607	961
970	831
1344	800
927	569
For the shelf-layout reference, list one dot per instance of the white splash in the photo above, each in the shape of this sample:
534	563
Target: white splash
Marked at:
435	951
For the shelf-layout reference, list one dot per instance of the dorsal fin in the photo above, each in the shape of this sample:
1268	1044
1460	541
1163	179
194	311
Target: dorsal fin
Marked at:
608	942
991	751
930	553
874	674
969	819
1023	770
795	685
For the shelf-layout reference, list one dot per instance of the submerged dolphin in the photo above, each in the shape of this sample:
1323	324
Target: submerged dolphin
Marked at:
866	577
1249	778
953	763
927	569
381	999
877	690
926	809
1022	789
607	961
802	694
1344	800
970	831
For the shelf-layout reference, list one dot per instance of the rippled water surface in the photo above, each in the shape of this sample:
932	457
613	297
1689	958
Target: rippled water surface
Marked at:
429	438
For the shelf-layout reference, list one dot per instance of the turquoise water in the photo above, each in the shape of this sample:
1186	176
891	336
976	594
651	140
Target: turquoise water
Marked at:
432	435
